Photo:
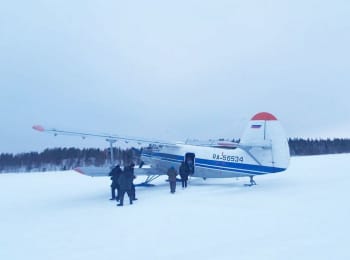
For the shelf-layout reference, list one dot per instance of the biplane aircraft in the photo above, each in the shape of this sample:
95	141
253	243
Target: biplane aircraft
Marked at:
262	149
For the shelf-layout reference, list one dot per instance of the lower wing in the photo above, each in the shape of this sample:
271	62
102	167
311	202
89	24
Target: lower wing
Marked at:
104	171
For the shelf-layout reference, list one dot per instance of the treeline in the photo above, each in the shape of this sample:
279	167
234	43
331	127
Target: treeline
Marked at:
69	158
298	146
64	159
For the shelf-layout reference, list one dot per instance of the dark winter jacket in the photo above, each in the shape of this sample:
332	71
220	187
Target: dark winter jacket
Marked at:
172	173
125	180
184	171
115	173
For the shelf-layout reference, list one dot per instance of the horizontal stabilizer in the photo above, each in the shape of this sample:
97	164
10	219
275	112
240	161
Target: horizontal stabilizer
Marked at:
262	144
227	144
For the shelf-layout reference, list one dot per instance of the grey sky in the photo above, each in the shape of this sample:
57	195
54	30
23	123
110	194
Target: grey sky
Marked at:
171	69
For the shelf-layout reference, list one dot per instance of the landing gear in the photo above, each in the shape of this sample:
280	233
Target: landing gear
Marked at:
147	183
252	182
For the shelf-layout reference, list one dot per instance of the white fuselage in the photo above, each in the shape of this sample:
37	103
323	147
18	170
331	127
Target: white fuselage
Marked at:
210	162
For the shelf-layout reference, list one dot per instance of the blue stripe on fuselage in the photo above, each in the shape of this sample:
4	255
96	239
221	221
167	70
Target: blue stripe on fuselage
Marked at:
218	165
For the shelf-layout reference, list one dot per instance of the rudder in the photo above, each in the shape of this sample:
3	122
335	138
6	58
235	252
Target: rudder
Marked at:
266	140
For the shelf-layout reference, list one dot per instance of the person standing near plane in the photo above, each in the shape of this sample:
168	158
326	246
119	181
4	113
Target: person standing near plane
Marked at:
190	165
184	172
133	190
125	184
172	173
114	174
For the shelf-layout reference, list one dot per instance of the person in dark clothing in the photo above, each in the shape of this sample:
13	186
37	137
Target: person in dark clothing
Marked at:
172	173
114	174
184	172
125	184
190	165
133	190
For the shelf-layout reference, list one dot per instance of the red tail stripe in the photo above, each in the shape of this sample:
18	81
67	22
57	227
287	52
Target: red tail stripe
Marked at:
264	116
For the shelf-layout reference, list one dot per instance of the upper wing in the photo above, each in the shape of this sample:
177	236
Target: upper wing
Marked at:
111	137
108	137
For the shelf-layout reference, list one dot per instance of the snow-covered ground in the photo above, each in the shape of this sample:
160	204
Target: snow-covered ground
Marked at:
303	213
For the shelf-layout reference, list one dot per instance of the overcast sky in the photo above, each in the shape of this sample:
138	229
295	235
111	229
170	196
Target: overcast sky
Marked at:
171	69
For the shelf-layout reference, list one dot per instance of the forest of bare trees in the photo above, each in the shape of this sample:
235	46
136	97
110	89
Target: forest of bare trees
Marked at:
69	158
63	159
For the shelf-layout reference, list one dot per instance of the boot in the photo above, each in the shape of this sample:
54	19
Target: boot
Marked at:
119	205
113	194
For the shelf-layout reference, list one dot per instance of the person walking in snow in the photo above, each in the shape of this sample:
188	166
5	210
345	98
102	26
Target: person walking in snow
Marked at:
184	172
114	174
133	190
172	173
125	184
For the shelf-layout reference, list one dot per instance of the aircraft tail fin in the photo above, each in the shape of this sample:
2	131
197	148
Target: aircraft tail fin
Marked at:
265	140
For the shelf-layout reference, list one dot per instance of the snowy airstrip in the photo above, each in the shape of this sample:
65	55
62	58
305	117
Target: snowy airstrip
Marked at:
303	213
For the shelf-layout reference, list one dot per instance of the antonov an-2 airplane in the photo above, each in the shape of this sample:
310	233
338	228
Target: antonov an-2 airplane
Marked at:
263	149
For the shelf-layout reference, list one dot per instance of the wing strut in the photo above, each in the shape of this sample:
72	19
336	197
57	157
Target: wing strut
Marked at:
111	142
147	183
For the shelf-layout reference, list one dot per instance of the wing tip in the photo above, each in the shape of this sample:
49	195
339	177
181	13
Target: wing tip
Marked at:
78	170
38	128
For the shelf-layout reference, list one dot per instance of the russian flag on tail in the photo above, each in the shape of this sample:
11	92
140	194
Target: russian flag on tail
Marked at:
255	126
